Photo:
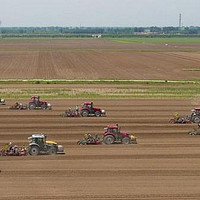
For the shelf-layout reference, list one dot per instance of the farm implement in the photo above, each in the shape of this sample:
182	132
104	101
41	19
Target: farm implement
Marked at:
89	139
111	135
177	119
13	150
193	118
71	113
18	106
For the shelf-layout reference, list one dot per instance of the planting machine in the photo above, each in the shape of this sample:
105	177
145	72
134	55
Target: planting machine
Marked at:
89	139
13	150
36	103
193	118
70	113
39	145
18	106
177	119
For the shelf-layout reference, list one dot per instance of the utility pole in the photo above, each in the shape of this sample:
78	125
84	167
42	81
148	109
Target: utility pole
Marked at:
0	30
180	20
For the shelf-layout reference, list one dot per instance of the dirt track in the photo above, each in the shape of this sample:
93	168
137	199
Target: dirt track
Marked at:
97	59
164	164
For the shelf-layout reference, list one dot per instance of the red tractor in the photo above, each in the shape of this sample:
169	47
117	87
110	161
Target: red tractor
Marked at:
35	103
88	109
113	135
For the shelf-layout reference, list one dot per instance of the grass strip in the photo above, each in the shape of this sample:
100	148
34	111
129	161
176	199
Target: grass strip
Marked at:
97	81
156	40
137	91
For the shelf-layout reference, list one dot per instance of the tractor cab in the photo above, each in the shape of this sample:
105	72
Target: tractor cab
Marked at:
35	99
112	130
39	139
88	105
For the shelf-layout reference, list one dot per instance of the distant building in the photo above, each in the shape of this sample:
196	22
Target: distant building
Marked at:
96	35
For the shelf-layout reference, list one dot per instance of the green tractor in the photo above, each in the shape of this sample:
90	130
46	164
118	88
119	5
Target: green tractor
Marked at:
39	145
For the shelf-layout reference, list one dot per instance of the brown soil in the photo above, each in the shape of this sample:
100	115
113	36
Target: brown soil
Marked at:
96	59
163	165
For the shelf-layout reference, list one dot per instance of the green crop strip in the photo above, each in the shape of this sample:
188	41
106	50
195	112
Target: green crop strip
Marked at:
155	40
134	91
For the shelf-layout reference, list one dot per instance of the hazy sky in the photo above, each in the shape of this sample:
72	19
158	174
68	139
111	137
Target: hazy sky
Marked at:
99	12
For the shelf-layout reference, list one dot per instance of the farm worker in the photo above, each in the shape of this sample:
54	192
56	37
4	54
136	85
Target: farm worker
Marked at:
176	115
6	147
117	132
23	149
20	106
10	145
76	109
16	105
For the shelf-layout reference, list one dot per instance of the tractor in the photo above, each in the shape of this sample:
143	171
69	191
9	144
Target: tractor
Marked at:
2	101
39	145
35	103
114	135
88	109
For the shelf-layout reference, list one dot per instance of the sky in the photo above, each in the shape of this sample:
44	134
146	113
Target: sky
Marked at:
99	13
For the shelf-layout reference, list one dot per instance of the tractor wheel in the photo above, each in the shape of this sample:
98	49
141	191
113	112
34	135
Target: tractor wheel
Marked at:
98	114
34	151
196	120
52	151
172	121
109	139
84	113
126	140
43	107
32	106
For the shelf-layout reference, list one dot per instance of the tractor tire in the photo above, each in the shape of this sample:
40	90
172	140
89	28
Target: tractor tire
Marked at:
109	139
84	113
52	151
32	106
34	151
126	140
43	107
98	114
197	120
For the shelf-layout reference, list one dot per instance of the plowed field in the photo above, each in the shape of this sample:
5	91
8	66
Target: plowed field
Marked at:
163	165
97	59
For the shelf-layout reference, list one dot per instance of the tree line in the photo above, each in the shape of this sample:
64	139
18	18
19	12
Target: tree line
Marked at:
104	31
